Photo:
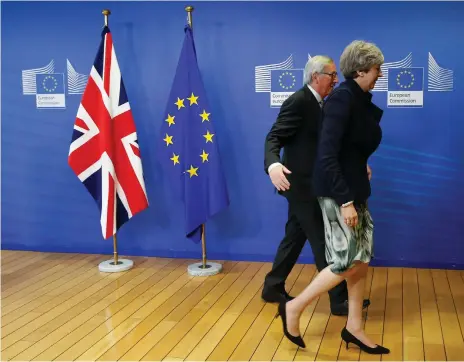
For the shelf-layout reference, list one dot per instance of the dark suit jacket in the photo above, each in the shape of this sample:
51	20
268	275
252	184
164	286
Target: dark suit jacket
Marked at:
350	133
295	130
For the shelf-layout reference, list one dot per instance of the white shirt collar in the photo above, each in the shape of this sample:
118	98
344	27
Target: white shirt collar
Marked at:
318	97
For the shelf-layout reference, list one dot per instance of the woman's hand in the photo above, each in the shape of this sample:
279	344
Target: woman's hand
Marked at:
350	216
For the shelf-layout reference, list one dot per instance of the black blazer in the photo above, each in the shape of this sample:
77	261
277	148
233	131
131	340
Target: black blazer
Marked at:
350	133
295	130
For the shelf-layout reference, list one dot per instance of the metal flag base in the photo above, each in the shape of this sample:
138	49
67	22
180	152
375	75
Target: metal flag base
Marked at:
109	266
209	269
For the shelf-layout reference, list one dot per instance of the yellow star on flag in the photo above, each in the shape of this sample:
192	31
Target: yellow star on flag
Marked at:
209	137
193	99
179	103
204	116
204	156
192	171
168	140
170	120
175	158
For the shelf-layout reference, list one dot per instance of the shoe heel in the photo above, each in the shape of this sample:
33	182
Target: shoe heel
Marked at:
349	338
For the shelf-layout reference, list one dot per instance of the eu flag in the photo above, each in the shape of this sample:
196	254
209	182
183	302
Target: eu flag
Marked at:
50	83
188	145
286	80
405	79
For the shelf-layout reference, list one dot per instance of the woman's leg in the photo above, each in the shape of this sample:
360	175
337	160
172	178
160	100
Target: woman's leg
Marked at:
354	324
323	282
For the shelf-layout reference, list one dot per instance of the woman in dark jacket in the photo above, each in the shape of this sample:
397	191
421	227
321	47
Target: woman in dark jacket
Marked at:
350	133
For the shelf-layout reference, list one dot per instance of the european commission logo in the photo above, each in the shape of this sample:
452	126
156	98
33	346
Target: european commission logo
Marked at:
405	87
283	84
403	83
280	80
50	88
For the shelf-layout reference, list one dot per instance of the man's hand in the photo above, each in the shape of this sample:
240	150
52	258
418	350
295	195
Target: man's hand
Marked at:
350	216
369	172
278	178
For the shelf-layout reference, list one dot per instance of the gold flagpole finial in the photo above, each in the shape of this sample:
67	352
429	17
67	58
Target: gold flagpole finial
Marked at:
189	10
106	13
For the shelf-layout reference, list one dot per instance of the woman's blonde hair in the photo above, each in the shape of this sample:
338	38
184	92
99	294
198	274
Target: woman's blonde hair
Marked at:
359	55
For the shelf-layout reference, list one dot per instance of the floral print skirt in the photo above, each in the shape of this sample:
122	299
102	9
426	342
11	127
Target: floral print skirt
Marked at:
345	244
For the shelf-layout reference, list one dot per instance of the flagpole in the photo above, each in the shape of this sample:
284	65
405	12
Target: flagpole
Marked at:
106	13
203	268
203	246
116	265
115	248
189	10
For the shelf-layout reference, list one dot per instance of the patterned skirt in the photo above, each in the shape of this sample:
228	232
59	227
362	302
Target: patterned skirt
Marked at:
344	244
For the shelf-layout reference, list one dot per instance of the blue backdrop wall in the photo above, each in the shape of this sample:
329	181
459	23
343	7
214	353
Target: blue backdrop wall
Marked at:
418	170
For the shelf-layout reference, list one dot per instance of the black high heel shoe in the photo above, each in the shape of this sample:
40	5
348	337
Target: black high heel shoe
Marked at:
282	312
349	338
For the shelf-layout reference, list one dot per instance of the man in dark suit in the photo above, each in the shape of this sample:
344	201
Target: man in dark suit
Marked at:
296	131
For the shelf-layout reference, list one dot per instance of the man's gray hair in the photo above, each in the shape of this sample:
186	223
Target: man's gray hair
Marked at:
315	65
359	55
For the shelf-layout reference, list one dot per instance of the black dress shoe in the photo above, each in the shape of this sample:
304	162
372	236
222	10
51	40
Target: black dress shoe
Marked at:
270	295
283	314
349	338
342	308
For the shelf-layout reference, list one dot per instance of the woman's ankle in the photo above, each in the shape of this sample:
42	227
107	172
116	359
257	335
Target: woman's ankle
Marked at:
354	328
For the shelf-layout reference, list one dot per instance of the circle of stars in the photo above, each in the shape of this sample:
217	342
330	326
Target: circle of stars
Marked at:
49	83
287	78
405	79
171	121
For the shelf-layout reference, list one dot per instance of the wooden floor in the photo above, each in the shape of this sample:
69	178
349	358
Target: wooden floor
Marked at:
60	307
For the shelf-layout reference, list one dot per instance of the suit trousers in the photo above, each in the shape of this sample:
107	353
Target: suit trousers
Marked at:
304	222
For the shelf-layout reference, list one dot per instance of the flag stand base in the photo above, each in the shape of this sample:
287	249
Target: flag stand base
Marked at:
210	269
109	266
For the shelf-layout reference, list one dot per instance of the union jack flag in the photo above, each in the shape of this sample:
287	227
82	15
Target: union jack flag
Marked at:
104	152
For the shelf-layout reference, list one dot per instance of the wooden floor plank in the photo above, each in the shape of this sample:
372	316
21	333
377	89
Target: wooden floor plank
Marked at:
235	333
413	342
51	295
331	342
457	290
431	327
168	332
393	324
67	317
214	303
46	267
254	335
65	309
52	273
149	315
21	263
173	274
452	335
38	289
86	335
225	322
86	290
